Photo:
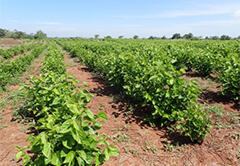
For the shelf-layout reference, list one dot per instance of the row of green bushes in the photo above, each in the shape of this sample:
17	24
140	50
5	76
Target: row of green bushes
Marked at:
15	50
66	128
150	79
10	69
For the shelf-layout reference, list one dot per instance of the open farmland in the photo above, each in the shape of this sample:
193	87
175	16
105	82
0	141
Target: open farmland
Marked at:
120	102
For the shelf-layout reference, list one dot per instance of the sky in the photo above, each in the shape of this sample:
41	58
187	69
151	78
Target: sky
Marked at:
85	18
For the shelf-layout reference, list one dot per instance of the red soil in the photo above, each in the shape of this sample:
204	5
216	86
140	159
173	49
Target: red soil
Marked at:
10	42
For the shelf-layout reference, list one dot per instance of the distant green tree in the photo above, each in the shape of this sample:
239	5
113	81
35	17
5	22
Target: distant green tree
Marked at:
188	36
225	37
135	37
19	35
2	32
40	35
163	38
214	37
151	37
120	37
108	37
96	36
176	36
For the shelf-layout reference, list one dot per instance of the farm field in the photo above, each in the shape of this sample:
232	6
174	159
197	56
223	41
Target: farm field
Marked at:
120	102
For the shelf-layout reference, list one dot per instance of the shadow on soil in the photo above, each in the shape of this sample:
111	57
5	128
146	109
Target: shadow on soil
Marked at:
216	97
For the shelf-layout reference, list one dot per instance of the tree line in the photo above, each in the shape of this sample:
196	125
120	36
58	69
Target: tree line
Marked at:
4	33
188	36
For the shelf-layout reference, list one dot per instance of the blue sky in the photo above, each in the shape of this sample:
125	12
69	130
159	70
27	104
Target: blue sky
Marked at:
84	18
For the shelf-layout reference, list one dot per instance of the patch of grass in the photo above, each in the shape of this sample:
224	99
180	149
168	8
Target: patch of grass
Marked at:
16	97
121	138
233	121
149	147
130	150
125	128
170	147
3	126
218	110
2	104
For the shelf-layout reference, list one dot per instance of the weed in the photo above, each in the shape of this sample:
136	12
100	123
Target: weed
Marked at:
3	126
218	110
170	147
130	150
2	104
148	147
125	128
121	138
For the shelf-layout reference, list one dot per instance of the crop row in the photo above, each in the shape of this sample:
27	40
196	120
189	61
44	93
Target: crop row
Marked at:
150	79
10	69
15	50
66	128
220	58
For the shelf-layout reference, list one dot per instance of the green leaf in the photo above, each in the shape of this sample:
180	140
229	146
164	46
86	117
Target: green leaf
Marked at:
68	142
76	135
19	155
90	114
47	150
56	159
113	150
102	115
69	158
106	153
82	154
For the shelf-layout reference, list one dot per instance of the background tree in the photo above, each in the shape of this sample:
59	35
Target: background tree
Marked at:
96	36
19	35
120	37
108	37
214	37
188	36
176	36
151	37
135	37
225	37
2	32
40	35
163	38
